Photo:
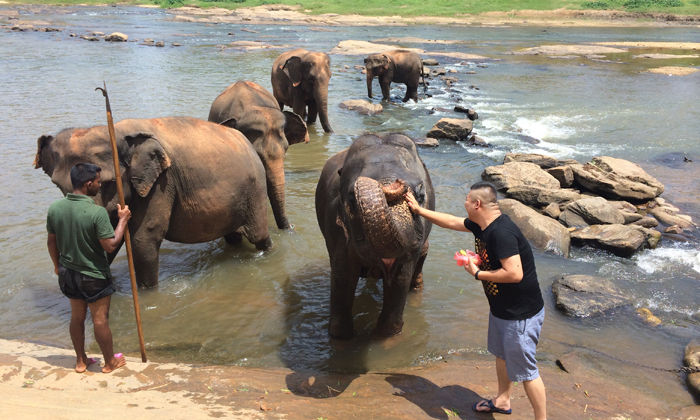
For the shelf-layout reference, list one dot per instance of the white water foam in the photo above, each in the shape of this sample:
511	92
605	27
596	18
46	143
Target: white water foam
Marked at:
668	259
547	127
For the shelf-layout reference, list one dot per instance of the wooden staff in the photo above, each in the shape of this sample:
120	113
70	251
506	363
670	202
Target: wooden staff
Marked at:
127	239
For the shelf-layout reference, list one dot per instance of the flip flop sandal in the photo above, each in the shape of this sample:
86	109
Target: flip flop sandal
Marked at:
491	408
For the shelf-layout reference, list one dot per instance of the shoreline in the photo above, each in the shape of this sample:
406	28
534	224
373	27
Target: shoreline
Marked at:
38	381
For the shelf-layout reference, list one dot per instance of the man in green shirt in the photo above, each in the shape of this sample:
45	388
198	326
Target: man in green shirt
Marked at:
80	235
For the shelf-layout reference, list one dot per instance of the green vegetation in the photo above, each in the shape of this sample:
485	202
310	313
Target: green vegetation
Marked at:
409	8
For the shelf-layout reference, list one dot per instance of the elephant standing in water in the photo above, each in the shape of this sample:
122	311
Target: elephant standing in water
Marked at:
398	66
300	78
368	227
252	110
184	179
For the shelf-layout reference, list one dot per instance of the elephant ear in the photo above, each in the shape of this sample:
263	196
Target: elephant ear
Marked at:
147	159
388	61
295	128
292	68
230	123
41	143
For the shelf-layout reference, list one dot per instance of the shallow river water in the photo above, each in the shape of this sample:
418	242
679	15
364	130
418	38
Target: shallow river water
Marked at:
233	305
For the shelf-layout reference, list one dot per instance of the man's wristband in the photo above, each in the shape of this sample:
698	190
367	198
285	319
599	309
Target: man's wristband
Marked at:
476	275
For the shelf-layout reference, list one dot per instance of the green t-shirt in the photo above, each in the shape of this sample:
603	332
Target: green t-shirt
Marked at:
79	224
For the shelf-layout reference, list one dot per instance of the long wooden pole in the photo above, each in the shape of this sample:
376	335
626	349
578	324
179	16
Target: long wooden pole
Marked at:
127	238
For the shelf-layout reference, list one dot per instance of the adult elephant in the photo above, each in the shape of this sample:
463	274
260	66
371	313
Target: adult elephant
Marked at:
368	227
252	110
300	78
398	66
184	179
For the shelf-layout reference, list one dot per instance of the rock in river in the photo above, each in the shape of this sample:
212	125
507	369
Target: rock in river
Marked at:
452	129
515	174
117	37
618	179
692	360
621	240
544	232
362	107
591	211
543	161
581	295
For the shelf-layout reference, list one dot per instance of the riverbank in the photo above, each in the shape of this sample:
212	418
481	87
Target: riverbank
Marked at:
38	382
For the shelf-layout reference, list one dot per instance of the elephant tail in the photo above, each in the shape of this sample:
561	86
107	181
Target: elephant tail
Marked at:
422	75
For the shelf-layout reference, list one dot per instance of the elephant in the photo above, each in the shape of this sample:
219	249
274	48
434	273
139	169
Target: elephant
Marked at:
252	110
369	229
398	66
184	179
300	78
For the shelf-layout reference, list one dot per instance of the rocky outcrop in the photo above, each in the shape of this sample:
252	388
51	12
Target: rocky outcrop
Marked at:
617	179
647	222
563	174
581	295
621	240
117	37
668	216
544	162
515	174
430	62
590	211
452	129
545	233
692	360
426	142
536	196
471	114
362	107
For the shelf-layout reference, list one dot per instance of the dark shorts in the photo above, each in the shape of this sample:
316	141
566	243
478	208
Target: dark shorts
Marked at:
76	285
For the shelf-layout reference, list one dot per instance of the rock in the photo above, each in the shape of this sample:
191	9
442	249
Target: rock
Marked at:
451	128
430	62
148	40
249	30
477	141
353	47
449	79
160	44
590	211
358	67
631	217
667	217
692	360
617	179
426	142
647	222
581	295
231	33
469	72
438	109
546	234
674	229
363	72
90	38
452	71
544	162
648	317
482	66
50	29
621	240
563	174
95	33
176	44
536	196
346	67
552	210
471	114
439	72
362	107
117	37
22	28
528	139
515	174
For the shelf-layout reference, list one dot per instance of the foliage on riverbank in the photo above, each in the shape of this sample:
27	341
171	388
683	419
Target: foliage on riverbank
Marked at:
417	7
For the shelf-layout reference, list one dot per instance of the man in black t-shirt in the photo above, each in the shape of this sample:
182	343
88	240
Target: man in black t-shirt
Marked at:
509	277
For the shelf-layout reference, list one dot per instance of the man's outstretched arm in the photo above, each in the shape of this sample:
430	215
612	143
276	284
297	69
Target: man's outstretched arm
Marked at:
443	220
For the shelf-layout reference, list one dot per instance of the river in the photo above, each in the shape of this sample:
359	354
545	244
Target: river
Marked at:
225	304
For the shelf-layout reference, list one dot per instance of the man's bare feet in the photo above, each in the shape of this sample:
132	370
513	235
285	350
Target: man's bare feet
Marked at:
117	361
83	362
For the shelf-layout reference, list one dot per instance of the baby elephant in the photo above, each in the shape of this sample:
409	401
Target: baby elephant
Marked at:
398	66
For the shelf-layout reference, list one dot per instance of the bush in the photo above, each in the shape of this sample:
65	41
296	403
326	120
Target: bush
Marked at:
695	2
634	4
598	5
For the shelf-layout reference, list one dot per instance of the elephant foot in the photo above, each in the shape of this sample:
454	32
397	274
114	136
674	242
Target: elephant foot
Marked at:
264	245
417	283
388	329
341	333
233	238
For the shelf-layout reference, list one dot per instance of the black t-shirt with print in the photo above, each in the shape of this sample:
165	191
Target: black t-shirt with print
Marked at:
503	239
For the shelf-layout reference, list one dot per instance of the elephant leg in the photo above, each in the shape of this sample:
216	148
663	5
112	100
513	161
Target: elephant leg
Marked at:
281	104
313	112
254	226
299	107
417	280
411	93
344	277
395	292
146	259
386	90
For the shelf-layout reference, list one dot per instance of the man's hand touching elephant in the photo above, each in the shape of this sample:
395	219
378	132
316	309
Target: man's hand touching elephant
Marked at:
412	203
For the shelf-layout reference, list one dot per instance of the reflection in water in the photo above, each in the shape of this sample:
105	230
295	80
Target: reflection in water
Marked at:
218	303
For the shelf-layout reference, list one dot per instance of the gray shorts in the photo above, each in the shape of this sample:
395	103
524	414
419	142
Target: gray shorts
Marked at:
515	342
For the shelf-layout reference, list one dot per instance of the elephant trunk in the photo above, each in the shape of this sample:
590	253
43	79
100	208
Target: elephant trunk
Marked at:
386	219
274	172
369	81
321	99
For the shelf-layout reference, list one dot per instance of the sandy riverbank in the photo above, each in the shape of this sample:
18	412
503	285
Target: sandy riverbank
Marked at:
38	382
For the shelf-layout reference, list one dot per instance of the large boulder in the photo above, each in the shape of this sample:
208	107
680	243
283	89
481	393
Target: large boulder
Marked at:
692	360
621	240
117	37
536	196
563	174
629	212
581	295
452	129
668	216
362	107
515	174
591	211
617	179
545	233
543	161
